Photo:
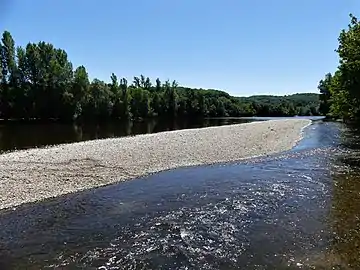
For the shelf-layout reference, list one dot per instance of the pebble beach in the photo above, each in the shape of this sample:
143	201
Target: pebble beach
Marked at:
37	174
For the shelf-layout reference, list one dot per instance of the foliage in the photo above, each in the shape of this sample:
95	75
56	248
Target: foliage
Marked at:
39	82
298	104
340	93
325	95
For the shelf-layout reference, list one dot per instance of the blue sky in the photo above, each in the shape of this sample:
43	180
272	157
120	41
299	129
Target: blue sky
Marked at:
244	47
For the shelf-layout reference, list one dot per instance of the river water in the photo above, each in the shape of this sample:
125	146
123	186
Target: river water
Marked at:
295	210
18	135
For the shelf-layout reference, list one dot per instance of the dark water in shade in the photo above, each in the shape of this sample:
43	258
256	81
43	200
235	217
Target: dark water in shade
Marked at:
296	210
17	135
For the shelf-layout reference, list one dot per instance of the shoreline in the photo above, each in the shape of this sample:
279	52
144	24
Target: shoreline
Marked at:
36	174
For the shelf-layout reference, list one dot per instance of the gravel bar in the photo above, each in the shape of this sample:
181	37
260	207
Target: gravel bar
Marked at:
36	174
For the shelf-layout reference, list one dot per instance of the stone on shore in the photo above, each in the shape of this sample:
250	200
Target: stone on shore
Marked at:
37	174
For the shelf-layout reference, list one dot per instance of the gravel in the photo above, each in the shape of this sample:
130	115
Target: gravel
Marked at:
36	174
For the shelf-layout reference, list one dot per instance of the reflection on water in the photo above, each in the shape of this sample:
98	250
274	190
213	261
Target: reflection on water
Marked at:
26	135
345	220
295	210
18	135
345	211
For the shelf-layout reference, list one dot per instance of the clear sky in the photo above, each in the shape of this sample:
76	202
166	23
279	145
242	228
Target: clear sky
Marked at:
244	47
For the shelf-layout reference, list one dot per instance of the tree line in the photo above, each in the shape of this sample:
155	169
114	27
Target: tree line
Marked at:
305	104
340	90
38	81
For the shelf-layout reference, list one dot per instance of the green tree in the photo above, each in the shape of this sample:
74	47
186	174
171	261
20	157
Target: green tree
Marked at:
8	69
136	82
80	92
140	103
99	106
63	80
170	97
2	83
116	97
325	94
340	106
8	57
126	100
158	87
348	78
38	82
22	108
1	64
156	103
114	84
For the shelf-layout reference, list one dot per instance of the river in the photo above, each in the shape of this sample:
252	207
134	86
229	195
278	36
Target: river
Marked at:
296	210
19	135
22	135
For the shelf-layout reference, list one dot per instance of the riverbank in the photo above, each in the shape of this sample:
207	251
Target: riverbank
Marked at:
36	174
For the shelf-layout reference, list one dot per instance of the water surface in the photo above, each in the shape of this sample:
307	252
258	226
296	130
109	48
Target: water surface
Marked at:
19	135
295	210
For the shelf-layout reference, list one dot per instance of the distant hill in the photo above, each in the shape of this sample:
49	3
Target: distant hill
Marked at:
296	104
298	99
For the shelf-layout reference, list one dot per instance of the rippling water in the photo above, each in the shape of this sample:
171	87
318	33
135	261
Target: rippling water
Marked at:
295	210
